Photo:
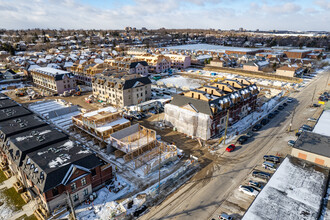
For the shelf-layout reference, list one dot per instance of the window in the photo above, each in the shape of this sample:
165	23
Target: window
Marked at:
73	186
146	92
137	95
141	94
75	197
83	181
93	172
55	191
85	192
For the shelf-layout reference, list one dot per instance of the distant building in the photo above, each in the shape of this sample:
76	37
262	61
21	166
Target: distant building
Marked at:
289	71
132	66
85	71
157	63
256	65
122	90
53	80
179	61
297	53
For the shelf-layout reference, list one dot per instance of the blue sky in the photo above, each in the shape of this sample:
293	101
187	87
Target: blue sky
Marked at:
117	14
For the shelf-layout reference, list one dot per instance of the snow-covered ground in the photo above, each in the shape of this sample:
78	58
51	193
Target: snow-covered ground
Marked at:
3	87
107	205
209	47
295	191
181	82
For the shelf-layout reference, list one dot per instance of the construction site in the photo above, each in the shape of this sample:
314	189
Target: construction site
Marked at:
134	146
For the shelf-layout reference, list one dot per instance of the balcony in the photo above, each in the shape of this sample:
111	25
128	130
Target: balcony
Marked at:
40	213
3	166
8	173
25	196
18	186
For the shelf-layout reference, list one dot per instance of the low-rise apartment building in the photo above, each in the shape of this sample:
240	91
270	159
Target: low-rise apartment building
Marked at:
157	63
122	90
85	71
53	80
179	61
202	112
129	65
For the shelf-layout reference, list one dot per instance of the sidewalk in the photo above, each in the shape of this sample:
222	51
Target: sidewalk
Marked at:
8	183
27	209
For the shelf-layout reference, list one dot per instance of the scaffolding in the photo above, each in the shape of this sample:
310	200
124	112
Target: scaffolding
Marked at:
188	122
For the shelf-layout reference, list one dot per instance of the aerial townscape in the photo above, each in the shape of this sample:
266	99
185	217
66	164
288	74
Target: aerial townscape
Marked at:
154	109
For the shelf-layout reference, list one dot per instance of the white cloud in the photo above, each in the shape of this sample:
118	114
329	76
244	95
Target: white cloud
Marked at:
17	14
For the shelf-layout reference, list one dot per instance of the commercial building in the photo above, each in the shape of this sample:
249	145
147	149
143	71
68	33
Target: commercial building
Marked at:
295	191
256	65
121	90
53	80
297	53
202	112
313	147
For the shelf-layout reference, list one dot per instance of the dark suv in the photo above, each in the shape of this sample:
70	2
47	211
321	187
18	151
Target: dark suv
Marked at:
242	139
261	175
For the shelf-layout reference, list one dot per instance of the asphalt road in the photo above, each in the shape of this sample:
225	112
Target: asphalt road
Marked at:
201	197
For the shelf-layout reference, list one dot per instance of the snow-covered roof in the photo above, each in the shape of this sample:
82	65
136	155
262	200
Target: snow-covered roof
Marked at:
295	191
107	109
108	126
322	125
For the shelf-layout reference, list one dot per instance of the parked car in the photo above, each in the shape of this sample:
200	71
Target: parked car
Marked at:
242	139
261	175
257	127
255	184
276	112
312	119
316	105
249	134
291	143
231	148
248	190
289	100
323	98
280	107
305	128
224	216
269	166
272	158
285	104
271	115
298	133
264	121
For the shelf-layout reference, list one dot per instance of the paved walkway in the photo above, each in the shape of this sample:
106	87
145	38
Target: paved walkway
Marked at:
8	183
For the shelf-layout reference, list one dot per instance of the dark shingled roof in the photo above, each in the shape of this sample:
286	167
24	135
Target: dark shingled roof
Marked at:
55	161
20	124
314	143
131	82
7	103
134	64
13	112
200	105
29	141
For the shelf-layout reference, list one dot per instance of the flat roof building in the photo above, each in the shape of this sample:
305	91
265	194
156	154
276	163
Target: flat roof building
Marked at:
295	191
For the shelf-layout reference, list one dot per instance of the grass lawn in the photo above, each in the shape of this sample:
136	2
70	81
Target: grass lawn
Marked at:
2	176
25	217
13	198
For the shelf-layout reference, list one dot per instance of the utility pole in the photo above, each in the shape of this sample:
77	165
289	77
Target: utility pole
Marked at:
294	111
159	168
224	139
71	205
313	95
